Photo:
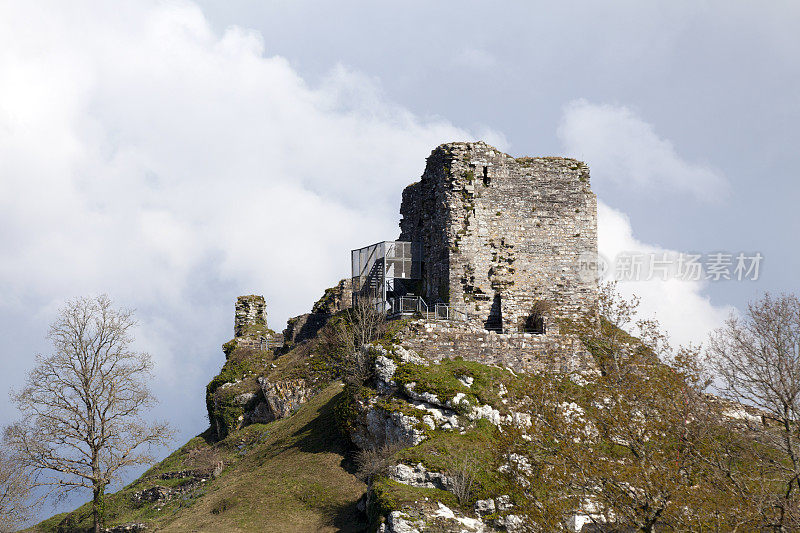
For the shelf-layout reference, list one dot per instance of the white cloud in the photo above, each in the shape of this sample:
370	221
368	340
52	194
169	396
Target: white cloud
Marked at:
624	149
147	156
621	148
686	314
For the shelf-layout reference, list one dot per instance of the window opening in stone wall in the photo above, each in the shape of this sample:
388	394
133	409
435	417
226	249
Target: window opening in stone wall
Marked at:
535	321
495	320
535	324
486	179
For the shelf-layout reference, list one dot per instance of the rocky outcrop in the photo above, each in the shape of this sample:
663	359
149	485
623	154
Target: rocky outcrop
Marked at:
282	398
126	528
273	400
430	516
153	494
419	476
375	426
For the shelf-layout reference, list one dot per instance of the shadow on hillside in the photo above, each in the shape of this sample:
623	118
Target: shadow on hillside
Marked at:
322	435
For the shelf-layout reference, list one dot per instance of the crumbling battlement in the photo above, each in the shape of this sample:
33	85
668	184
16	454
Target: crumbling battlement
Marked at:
503	238
251	312
250	327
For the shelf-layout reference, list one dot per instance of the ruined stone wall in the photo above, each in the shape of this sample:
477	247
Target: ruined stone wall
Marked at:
251	313
502	236
521	352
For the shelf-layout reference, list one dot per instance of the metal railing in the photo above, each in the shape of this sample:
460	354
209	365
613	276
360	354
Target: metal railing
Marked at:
416	305
270	343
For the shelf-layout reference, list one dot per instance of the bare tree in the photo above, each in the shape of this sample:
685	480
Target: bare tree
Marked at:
757	358
621	446
374	462
16	484
603	330
82	405
462	477
360	325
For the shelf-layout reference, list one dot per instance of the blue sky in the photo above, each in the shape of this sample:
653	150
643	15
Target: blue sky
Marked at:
176	154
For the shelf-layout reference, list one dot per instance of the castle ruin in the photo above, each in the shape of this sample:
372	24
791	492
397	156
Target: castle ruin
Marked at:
503	241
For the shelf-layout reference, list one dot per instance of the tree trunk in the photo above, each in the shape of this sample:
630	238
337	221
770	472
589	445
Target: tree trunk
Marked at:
97	501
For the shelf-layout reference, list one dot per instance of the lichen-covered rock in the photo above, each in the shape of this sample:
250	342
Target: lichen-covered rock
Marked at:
374	426
430	516
125	528
409	356
419	476
282	398
487	412
483	507
449	520
503	503
244	398
511	522
399	522
428	397
441	418
384	372
466	380
153	494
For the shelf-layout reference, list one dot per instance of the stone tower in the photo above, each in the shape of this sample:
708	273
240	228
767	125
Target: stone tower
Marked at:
251	315
504	239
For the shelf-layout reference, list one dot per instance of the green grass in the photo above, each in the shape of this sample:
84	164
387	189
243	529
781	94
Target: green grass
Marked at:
289	475
442	380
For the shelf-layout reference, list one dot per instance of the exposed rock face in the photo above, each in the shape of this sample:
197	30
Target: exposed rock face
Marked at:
376	427
282	398
125	528
419	476
500	234
153	494
384	371
432	517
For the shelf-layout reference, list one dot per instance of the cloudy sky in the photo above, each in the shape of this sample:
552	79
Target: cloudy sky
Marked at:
176	154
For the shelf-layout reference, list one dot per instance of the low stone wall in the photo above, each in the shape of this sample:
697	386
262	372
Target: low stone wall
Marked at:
304	327
522	352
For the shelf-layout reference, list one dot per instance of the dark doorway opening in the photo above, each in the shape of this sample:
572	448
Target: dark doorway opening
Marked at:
495	320
535	324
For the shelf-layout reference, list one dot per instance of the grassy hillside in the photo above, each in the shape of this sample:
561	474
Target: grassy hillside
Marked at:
289	475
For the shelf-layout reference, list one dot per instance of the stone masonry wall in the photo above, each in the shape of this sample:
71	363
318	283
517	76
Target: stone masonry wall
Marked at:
522	352
503	236
251	311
